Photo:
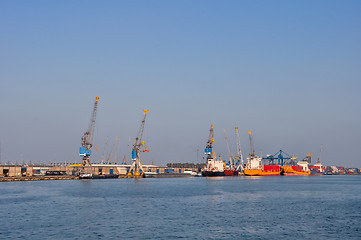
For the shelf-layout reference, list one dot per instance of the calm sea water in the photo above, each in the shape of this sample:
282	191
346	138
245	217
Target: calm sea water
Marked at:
304	207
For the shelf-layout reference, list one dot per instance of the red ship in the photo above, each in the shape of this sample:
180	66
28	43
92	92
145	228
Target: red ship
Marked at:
229	172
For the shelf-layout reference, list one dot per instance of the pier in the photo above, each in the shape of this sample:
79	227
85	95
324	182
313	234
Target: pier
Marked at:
64	172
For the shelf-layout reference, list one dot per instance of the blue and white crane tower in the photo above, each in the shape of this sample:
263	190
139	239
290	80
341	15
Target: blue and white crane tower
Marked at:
209	145
136	168
87	138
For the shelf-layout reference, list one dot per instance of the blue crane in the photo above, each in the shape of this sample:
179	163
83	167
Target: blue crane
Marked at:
209	145
136	168
278	156
87	138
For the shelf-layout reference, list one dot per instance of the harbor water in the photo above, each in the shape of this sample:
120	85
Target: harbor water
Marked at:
299	207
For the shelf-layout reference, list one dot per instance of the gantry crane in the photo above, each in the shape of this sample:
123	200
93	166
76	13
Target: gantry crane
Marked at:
281	156
239	149
87	138
136	169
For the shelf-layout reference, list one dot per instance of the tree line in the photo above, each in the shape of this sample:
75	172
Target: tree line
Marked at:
186	165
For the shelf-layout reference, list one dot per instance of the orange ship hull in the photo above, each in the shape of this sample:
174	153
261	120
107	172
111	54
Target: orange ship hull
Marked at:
260	172
289	171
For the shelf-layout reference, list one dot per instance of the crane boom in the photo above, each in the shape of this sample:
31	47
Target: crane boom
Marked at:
138	140
210	155
105	150
136	169
209	143
319	158
252	154
112	152
88	136
239	149
228	149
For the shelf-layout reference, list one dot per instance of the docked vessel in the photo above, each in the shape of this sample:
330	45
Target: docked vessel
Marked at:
300	169
318	168
85	176
254	166
190	172
230	172
230	168
214	167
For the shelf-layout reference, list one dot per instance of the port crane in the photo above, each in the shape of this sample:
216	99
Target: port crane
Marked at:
253	153
280	156
136	168
319	158
87	138
239	149
125	160
231	158
105	151
209	144
307	158
113	152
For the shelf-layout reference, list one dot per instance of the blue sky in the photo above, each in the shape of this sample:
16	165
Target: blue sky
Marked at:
287	70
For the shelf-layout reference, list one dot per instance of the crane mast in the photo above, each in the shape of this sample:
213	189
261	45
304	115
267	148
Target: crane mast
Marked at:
252	154
319	158
228	149
105	150
136	169
87	138
113	151
209	144
239	149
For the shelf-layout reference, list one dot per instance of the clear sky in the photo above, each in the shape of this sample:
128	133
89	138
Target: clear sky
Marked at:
290	71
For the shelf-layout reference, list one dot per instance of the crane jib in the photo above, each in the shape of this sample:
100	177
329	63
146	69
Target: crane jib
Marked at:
87	138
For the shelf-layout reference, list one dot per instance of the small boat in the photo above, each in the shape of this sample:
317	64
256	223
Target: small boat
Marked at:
190	172
149	174
85	176
93	176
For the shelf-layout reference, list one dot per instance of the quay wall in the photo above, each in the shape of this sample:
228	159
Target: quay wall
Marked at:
29	171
